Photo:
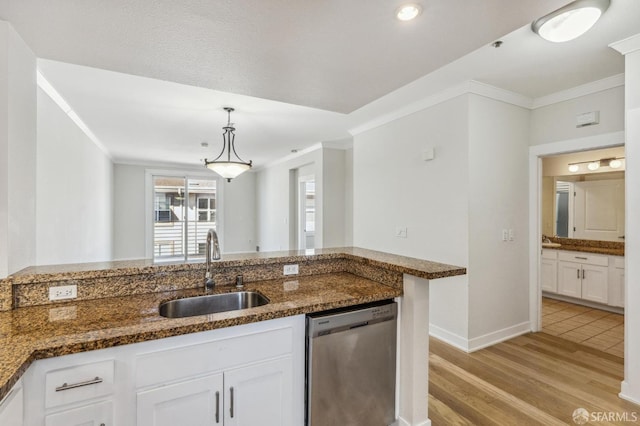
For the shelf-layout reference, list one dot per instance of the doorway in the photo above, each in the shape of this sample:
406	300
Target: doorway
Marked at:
539	225
306	212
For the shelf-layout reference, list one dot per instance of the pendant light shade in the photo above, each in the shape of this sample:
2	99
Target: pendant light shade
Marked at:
226	165
571	21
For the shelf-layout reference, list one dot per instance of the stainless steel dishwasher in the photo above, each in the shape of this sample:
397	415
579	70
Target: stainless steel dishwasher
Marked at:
351	366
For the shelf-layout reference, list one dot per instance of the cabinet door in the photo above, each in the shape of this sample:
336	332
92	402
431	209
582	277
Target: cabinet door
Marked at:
569	279
595	283
196	402
616	294
549	275
11	408
260	394
98	414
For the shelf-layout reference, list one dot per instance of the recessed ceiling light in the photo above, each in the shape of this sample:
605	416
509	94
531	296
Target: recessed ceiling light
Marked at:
571	21
408	12
573	168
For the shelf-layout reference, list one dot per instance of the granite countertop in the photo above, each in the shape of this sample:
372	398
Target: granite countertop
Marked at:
396	263
31	333
611	248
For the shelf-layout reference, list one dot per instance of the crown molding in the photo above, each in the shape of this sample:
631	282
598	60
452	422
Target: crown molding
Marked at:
628	45
578	91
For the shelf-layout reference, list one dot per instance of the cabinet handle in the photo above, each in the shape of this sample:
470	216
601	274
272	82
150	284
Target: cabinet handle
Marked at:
578	273
217	407
66	386
583	258
583	274
231	408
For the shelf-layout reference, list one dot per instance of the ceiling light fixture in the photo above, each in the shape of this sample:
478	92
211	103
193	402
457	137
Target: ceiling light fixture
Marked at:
571	21
593	165
408	12
223	164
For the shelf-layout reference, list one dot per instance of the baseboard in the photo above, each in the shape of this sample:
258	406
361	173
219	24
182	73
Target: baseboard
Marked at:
494	337
624	393
449	338
403	422
588	303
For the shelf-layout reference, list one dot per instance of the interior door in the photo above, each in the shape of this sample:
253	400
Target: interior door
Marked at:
599	210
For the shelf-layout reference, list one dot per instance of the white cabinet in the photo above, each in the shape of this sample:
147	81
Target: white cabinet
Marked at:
584	276
616	282
11	407
549	271
98	414
197	402
182	380
259	395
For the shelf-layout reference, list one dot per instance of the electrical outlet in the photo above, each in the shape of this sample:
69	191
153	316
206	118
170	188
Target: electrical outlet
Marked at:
290	270
63	292
505	235
511	235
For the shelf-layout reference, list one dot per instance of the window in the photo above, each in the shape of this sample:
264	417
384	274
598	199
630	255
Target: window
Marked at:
184	210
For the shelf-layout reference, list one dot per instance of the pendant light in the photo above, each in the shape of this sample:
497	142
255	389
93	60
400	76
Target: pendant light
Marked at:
223	164
571	21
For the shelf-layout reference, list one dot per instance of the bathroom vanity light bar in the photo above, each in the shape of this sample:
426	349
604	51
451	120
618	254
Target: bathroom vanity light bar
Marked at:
593	165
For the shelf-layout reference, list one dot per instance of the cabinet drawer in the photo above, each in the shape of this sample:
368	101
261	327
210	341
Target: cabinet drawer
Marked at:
549	254
94	414
78	383
587	258
179	363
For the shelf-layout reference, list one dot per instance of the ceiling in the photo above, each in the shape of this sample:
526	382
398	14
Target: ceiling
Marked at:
150	78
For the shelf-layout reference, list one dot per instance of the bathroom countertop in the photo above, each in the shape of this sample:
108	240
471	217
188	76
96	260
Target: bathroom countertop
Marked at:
611	248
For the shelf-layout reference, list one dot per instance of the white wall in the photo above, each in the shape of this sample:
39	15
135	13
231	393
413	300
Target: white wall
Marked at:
239	204
334	201
348	197
237	199
393	187
557	122
498	199
129	212
74	191
17	152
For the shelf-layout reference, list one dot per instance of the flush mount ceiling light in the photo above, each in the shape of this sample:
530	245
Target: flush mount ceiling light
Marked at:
593	165
408	12
224	164
570	21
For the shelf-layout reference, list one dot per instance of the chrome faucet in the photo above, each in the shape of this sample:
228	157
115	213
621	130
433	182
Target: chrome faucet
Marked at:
212	253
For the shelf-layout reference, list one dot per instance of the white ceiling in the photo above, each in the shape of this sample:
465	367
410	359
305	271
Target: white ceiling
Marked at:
319	54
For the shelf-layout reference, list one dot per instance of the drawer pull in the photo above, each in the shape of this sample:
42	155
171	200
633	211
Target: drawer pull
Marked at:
217	407
66	386
583	258
231	409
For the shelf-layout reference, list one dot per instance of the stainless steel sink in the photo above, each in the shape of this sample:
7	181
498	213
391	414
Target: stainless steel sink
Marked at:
211	304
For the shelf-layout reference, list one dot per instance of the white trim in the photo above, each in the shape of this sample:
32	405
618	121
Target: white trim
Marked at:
498	336
403	422
628	45
535	178
291	156
425	103
498	94
449	337
624	393
343	144
492	92
578	91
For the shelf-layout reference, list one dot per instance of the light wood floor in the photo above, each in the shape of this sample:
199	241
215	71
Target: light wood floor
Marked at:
592	327
534	379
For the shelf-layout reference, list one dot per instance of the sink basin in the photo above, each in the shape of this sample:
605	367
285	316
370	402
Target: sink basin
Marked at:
548	245
211	304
